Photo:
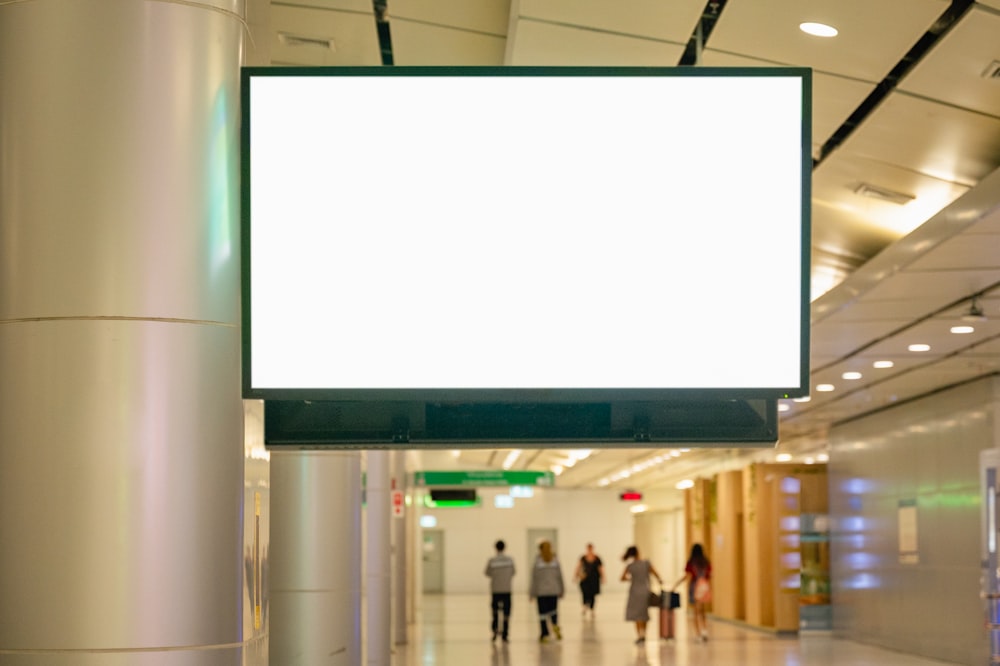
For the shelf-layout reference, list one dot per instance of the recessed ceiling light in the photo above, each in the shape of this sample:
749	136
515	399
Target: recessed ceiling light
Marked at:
961	330
883	364
919	347
818	29
804	398
685	484
783	457
825	388
784	407
851	375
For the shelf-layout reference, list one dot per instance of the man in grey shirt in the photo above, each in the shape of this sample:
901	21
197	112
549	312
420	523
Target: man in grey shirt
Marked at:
500	569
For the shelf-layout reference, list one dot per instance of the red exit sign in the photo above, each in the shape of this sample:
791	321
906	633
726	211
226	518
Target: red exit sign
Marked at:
631	496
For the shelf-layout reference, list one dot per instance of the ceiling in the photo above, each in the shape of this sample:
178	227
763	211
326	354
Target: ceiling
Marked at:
905	186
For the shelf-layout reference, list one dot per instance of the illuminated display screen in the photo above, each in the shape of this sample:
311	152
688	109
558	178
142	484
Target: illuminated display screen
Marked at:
537	234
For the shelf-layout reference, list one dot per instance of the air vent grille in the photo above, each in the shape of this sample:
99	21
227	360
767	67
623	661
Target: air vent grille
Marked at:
882	194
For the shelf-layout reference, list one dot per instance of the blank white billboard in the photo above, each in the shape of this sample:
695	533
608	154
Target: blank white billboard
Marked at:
542	230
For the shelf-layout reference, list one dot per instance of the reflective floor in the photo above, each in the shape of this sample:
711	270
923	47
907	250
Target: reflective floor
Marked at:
454	630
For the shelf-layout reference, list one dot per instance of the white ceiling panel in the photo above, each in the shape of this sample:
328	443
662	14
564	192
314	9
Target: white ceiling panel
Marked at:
941	141
953	72
840	181
537	44
489	17
352	6
298	33
903	310
673	21
416	43
838	340
834	97
935	292
770	30
839	229
968	251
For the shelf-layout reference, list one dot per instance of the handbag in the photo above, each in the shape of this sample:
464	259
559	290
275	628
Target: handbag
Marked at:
702	591
675	600
654	600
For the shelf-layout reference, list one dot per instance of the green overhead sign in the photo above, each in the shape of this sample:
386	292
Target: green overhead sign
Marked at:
485	478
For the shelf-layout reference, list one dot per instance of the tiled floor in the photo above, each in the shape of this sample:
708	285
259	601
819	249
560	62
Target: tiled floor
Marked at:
454	630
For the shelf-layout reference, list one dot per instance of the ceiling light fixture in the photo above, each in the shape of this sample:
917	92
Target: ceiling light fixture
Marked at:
919	347
975	312
963	330
511	458
818	29
883	364
824	388
851	375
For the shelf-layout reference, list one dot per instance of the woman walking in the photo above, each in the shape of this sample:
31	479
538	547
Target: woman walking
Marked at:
638	572
590	573
547	588
698	573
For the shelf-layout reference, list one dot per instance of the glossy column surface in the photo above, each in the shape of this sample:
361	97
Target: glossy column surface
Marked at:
399	550
315	561
378	545
121	467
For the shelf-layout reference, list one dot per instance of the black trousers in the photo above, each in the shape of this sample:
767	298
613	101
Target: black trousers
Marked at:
548	609
501	606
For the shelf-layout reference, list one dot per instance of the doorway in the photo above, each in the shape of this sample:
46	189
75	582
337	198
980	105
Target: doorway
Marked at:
433	561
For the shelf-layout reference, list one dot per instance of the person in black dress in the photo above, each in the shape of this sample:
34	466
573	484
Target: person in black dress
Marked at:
590	573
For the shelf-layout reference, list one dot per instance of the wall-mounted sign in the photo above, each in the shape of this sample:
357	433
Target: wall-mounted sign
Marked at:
485	478
397	503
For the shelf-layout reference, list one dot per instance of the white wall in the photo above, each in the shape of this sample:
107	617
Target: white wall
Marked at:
660	537
924	452
580	516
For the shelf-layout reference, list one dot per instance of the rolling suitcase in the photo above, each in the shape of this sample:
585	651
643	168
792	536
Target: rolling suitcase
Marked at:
668	602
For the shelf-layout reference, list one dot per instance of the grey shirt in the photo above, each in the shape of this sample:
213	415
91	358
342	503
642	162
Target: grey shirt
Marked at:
546	579
500	569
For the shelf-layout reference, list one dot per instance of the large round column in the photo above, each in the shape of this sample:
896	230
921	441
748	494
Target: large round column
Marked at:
121	453
315	561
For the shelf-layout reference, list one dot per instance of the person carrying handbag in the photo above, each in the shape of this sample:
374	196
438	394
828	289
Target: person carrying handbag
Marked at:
638	572
698	573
